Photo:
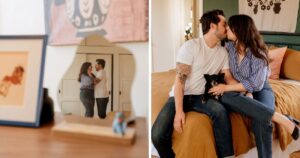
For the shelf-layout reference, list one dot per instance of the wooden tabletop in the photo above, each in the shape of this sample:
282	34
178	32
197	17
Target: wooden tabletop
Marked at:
41	143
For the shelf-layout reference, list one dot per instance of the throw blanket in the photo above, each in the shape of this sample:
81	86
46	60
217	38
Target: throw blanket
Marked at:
287	102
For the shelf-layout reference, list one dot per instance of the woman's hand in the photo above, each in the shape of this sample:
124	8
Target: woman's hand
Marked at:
218	90
90	74
249	95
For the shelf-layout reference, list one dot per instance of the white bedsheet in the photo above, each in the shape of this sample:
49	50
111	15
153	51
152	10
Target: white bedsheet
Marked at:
252	153
277	153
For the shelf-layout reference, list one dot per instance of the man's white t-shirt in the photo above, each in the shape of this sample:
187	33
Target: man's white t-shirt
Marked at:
101	88
203	60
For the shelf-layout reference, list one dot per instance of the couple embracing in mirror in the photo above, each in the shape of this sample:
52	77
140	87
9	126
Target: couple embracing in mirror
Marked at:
93	87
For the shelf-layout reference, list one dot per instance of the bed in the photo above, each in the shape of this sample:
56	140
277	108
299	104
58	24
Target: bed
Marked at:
198	140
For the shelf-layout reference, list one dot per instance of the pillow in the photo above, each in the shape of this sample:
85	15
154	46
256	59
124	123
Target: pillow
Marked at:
276	56
290	65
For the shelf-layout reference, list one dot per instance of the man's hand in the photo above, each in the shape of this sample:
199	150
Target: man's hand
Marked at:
179	120
97	80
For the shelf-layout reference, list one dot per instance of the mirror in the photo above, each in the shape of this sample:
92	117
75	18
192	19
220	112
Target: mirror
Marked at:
106	74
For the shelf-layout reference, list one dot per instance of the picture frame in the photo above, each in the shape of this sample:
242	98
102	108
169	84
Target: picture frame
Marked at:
22	60
70	21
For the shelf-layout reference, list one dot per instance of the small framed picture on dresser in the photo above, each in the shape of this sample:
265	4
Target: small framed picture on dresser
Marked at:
22	60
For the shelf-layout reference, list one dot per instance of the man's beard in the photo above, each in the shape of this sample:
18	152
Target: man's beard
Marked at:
219	36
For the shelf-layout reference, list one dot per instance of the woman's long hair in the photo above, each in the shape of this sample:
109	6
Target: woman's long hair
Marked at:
84	70
248	36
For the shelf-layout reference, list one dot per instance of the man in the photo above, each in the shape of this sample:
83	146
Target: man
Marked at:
101	92
196	57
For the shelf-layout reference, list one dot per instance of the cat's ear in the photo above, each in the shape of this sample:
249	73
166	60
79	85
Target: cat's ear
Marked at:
222	75
207	77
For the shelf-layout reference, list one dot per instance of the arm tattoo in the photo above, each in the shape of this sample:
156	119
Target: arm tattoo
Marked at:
183	70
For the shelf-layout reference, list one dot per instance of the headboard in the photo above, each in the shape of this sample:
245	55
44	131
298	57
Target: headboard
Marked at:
279	39
291	61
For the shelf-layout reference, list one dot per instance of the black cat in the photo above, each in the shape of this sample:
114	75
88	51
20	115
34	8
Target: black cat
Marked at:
211	81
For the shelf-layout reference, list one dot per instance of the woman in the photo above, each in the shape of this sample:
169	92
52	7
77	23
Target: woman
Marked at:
248	61
87	84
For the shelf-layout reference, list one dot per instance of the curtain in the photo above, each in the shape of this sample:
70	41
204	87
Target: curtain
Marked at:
177	25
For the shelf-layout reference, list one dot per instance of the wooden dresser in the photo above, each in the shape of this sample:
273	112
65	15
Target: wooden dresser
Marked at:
41	143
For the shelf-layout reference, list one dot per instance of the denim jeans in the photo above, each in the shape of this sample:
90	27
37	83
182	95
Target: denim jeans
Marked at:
101	106
88	100
260	110
162	129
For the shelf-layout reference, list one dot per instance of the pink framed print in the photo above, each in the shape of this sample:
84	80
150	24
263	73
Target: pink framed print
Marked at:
69	21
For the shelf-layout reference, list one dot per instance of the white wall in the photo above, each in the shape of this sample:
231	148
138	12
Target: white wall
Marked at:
169	18
0	13
21	17
168	29
162	51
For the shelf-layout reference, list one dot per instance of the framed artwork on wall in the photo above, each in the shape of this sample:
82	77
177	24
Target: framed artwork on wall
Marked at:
271	15
69	21
22	61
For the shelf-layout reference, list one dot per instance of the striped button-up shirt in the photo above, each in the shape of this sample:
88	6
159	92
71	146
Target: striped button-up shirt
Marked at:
86	83
251	71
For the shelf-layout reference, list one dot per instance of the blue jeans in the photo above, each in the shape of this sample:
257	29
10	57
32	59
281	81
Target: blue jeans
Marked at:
101	106
260	110
162	129
88	100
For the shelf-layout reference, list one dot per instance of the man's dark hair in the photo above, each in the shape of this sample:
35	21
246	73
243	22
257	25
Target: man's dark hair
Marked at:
101	62
210	17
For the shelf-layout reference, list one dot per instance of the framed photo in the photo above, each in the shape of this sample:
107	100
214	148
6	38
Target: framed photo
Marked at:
22	61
